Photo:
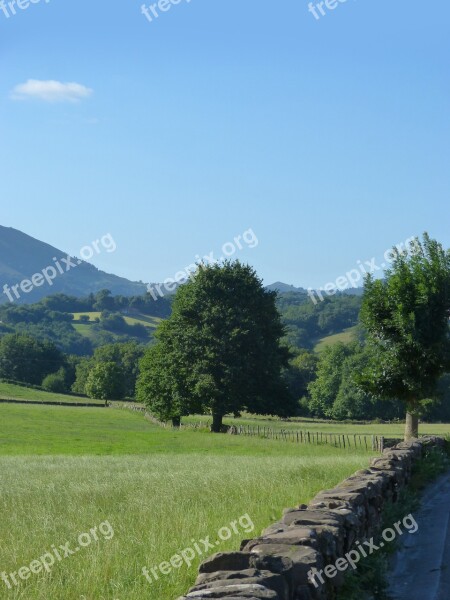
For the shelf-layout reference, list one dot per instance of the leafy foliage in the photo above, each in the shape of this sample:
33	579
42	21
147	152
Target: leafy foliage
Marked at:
307	322
335	392
23	358
125	356
219	352
51	319
105	382
55	382
406	320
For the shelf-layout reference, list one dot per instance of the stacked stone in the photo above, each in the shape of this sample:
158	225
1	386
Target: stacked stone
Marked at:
275	566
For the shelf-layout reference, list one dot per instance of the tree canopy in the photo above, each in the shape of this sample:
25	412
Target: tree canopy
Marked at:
406	319
220	350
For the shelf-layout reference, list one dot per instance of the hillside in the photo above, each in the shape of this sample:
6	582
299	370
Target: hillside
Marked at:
21	393
307	323
78	325
22	256
283	288
346	336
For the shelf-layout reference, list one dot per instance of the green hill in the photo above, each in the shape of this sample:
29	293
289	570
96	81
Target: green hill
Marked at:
12	391
346	336
308	323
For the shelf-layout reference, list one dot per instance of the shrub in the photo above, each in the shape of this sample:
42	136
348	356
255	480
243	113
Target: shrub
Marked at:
55	382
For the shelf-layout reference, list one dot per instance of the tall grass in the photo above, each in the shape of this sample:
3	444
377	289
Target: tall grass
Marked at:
156	505
66	470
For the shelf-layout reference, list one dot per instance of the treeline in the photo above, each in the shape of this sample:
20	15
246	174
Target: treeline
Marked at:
320	386
327	386
103	300
110	373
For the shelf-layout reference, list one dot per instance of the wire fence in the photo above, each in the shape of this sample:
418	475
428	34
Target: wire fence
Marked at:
338	440
375	443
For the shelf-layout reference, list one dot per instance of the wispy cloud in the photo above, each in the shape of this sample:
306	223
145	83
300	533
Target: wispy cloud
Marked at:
50	91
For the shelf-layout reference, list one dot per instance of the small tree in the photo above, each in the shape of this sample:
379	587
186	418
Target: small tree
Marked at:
406	319
105	382
166	398
56	382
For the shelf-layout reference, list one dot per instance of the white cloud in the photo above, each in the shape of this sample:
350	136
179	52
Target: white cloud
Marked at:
50	91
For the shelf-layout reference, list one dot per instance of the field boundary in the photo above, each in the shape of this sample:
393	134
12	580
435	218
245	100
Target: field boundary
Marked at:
376	443
51	403
288	560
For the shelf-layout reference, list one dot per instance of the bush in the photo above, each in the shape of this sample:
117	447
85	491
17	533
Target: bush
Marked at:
55	382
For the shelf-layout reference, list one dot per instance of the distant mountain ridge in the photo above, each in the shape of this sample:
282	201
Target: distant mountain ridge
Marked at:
285	288
22	256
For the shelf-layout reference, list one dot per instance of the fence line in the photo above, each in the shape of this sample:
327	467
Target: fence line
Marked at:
338	440
375	443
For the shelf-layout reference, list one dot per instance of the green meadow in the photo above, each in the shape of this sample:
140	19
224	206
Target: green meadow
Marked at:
345	337
66	470
11	391
145	320
388	430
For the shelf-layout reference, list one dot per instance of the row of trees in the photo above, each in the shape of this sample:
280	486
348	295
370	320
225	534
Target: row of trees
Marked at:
111	373
104	300
26	359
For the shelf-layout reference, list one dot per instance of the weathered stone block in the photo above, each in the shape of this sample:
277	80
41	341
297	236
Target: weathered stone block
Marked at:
226	561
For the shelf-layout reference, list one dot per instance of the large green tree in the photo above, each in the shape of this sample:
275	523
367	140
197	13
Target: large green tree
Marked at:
406	319
219	352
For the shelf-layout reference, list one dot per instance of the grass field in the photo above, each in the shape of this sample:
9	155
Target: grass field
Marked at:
91	314
346	336
389	430
10	391
66	470
150	322
86	330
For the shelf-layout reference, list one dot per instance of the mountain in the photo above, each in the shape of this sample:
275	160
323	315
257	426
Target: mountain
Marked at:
283	288
22	257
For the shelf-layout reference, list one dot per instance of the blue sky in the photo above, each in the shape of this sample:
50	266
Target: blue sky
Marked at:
329	138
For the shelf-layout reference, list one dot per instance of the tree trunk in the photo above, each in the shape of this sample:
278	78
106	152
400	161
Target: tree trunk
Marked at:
216	426
412	426
176	421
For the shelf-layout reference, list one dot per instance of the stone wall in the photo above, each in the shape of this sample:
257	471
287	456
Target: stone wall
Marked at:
275	565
